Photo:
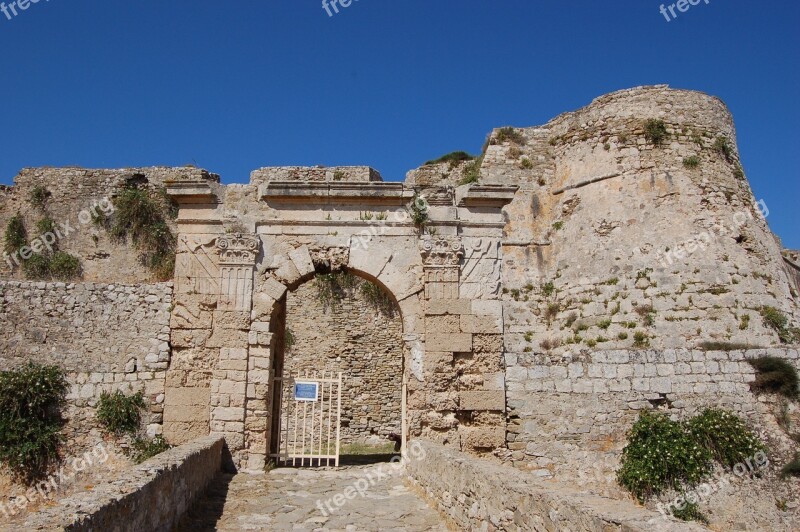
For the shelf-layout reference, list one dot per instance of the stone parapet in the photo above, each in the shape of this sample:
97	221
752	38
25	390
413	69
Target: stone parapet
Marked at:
479	494
151	496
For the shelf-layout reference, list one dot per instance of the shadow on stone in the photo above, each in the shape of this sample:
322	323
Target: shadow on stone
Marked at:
207	511
365	459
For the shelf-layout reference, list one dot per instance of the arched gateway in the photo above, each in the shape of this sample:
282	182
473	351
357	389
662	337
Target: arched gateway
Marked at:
240	254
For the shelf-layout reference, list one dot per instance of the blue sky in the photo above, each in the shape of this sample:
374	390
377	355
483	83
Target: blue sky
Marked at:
232	86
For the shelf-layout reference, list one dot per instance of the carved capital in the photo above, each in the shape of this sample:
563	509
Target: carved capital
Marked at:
238	249
442	251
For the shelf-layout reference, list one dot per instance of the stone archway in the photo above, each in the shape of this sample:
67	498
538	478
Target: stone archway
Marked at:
237	261
295	268
341	323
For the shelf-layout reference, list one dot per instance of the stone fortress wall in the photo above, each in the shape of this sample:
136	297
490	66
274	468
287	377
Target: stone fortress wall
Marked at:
74	193
528	346
106	337
610	236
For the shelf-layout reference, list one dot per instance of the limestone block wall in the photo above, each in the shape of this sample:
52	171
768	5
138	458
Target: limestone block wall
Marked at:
364	343
577	408
74	194
106	337
608	226
613	246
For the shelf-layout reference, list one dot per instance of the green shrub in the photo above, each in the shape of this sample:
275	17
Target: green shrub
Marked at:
37	267
453	158
525	163
664	454
418	210
775	375
725	435
15	235
509	134
64	267
622	336
288	339
558	226
31	399
640	340
723	346
792	469
143	449
548	289
690	512
777	320
660	455
723	147
141	218
39	196
655	131
120	414
691	162
59	266
45	225
472	172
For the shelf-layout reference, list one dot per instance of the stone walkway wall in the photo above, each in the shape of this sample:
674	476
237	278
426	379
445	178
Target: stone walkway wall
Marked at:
479	494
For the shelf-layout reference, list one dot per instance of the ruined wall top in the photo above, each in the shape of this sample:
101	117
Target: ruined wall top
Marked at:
315	173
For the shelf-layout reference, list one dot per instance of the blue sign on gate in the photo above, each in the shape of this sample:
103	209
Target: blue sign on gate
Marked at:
306	391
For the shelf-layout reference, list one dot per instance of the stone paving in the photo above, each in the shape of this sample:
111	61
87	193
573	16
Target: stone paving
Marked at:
302	499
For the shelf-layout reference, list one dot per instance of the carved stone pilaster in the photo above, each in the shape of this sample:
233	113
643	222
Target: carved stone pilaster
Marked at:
238	249
441	258
237	260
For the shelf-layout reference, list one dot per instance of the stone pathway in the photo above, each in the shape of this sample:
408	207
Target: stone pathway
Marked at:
313	499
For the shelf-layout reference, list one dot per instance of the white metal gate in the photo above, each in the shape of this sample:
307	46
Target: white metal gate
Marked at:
309	422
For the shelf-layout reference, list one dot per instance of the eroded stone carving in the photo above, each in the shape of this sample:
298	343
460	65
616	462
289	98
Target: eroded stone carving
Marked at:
442	260
238	249
442	251
237	258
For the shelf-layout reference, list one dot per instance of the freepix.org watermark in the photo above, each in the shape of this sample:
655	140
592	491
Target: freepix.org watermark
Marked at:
331	7
61	231
682	6
751	466
361	487
45	489
718	230
14	8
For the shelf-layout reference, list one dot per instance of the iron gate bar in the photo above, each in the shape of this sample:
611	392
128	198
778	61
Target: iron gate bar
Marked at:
292	434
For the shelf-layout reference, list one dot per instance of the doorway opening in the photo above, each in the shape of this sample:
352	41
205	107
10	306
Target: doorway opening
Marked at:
338	324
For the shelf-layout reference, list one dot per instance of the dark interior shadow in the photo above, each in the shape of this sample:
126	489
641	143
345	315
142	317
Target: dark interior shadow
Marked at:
207	510
365	459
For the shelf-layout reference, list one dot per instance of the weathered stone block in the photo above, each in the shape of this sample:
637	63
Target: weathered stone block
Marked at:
448	306
482	400
231	320
482	438
443	323
302	261
471	323
458	342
